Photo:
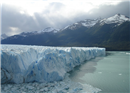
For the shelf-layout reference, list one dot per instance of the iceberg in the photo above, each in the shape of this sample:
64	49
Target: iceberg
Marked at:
25	63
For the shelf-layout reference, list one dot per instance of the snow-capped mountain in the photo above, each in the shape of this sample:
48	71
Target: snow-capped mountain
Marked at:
3	36
111	33
24	34
48	29
118	19
86	23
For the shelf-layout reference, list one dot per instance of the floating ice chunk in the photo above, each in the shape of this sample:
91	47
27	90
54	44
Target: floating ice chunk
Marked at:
100	72
128	53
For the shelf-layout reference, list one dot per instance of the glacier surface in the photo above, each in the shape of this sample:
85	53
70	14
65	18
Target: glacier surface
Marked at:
22	63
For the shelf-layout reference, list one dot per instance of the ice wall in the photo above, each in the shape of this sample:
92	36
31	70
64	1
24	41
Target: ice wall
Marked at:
21	64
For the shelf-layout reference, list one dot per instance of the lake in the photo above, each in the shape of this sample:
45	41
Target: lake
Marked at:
109	73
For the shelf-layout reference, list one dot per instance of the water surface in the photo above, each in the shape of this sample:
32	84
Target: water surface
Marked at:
109	73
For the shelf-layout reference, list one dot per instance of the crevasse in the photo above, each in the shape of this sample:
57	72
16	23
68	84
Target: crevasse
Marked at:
22	63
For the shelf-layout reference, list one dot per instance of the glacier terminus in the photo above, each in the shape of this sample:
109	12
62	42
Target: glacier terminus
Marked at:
22	63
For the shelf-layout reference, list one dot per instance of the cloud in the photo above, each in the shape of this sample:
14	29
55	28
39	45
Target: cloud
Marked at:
16	19
109	10
12	18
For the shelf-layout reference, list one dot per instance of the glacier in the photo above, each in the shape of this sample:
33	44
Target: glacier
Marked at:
25	63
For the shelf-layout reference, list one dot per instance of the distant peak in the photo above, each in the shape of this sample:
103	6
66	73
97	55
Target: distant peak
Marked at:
118	14
3	36
118	19
49	28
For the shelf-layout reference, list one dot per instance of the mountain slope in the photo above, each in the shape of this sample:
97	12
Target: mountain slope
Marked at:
3	36
116	38
112	33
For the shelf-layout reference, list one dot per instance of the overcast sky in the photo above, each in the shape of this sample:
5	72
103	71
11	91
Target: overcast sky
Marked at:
34	15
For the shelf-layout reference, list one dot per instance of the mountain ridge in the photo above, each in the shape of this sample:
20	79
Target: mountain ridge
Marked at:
3	36
111	33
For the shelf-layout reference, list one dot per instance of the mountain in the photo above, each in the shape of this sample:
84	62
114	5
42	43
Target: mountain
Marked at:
32	38
118	19
112	33
3	36
86	23
48	29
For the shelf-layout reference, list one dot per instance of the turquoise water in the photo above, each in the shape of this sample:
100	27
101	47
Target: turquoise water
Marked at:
109	73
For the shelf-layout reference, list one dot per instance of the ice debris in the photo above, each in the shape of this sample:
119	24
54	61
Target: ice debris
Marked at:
65	86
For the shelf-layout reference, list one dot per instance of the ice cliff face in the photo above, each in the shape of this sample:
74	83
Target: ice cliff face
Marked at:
21	64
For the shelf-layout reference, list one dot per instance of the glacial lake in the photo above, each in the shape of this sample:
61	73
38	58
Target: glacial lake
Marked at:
111	73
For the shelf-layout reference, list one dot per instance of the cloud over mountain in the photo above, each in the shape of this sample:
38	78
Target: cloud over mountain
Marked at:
17	19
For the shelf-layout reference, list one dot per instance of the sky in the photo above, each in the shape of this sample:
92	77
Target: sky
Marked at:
19	16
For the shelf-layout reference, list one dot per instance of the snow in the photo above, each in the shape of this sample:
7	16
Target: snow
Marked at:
22	63
75	23
25	34
89	23
48	29
118	18
65	27
3	36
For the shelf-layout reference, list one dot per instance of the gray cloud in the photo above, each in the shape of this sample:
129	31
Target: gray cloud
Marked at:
109	10
53	17
11	17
